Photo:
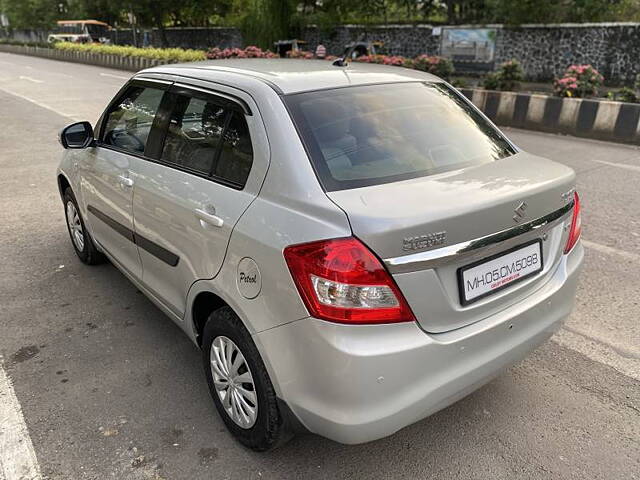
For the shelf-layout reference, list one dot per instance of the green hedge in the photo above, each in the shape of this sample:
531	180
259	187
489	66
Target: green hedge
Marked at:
6	41
169	55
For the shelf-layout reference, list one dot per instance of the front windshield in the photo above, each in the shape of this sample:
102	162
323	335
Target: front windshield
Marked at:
361	136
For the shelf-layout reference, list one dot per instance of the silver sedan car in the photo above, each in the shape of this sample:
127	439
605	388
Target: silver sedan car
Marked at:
352	247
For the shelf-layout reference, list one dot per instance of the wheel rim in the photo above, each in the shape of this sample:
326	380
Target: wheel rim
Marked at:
233	382
75	226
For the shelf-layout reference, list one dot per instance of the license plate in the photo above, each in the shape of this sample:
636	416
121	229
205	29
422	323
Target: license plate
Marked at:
490	275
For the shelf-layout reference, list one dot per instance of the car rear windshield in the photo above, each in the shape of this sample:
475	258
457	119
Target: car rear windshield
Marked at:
369	135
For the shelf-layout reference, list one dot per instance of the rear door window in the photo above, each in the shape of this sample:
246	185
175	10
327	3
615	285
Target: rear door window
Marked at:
129	121
361	136
194	134
236	155
210	138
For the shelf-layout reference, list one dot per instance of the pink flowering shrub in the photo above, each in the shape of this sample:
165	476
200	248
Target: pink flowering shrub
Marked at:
303	54
216	53
370	59
442	67
578	81
393	60
439	66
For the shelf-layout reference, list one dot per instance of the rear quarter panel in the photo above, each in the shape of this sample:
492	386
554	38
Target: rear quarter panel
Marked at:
290	208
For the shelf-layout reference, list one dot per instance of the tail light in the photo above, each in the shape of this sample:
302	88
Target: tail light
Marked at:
342	281
576	224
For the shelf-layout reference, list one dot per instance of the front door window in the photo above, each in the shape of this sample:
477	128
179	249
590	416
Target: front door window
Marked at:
128	123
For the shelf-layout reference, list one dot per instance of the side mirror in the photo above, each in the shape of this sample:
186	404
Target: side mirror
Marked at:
77	135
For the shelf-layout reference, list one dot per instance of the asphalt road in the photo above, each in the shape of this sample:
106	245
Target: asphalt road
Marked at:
110	388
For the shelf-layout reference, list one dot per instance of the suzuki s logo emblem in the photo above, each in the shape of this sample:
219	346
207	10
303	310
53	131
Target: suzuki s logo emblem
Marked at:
520	212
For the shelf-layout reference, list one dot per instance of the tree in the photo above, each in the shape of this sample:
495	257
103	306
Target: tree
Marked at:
266	21
514	12
33	13
263	21
109	11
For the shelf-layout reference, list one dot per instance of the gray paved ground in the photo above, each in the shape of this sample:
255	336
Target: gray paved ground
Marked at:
103	378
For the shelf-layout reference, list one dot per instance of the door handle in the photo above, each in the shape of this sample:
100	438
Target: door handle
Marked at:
209	218
125	181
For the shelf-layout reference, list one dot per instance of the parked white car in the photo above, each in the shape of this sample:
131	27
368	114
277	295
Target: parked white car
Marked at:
352	247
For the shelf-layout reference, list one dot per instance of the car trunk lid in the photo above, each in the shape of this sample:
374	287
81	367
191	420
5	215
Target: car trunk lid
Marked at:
402	220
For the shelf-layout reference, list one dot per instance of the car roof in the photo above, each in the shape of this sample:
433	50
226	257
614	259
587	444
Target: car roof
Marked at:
289	76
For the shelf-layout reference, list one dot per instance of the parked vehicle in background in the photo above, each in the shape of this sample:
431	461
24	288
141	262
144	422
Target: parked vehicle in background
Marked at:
80	31
353	248
284	47
363	48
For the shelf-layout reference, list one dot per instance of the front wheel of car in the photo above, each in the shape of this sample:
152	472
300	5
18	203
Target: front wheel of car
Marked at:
80	237
239	383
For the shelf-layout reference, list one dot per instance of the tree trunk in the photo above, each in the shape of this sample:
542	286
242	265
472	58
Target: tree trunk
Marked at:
451	12
164	43
157	19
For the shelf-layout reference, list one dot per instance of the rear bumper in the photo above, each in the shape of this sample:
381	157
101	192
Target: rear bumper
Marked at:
354	384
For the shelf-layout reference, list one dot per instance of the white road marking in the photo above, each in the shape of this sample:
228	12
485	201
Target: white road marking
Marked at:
29	79
62	74
39	104
633	168
18	459
611	250
114	76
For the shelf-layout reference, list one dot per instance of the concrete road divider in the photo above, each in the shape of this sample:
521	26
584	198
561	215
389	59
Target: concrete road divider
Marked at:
590	118
132	64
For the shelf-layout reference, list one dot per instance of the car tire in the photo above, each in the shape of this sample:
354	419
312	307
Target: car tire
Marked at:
80	238
268	428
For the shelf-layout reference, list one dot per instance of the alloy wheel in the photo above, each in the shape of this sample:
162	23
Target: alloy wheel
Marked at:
75	226
234	382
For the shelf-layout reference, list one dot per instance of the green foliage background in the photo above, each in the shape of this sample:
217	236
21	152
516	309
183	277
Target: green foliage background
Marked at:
263	21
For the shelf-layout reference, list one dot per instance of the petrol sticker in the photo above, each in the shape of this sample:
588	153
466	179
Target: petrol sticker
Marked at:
248	279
